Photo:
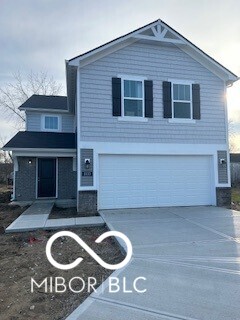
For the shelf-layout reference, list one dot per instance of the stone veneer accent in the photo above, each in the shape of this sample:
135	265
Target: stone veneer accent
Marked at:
87	202
25	179
222	168
223	197
67	179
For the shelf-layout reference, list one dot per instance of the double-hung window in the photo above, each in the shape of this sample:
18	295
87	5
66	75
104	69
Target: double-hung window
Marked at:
181	101
51	123
133	98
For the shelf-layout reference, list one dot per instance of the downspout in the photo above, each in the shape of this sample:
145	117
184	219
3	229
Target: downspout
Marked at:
229	84
78	135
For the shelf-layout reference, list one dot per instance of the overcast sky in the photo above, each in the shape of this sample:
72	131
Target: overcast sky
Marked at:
39	35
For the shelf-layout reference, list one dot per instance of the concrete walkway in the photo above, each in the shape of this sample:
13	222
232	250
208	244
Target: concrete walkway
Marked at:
36	217
190	258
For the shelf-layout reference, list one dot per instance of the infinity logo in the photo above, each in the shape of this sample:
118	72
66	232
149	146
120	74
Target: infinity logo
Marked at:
89	250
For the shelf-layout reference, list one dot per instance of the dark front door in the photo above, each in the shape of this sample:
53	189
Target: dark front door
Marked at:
46	177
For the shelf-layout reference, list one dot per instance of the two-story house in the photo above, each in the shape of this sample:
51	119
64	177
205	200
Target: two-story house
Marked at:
144	124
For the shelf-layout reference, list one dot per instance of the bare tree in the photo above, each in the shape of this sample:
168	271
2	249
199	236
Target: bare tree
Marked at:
5	156
17	92
232	136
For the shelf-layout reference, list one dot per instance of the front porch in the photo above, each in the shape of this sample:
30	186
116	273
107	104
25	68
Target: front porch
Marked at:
38	178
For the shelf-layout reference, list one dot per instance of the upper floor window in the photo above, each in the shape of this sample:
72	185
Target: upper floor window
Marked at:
51	123
133	98
182	101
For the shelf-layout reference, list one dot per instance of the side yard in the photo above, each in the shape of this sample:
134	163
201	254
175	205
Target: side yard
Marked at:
23	256
236	198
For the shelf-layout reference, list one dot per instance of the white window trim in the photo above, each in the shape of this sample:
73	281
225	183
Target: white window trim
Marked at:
51	130
183	82
132	118
136	119
181	120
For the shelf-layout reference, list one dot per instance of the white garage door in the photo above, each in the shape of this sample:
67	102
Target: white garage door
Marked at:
133	181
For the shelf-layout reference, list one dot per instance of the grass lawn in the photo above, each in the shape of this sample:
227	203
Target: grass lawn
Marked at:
23	256
236	198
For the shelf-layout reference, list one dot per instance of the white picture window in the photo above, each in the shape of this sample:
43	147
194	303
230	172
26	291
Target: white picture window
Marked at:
182	101
51	123
133	98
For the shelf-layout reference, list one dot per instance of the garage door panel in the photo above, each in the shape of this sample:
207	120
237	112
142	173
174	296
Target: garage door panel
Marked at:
131	181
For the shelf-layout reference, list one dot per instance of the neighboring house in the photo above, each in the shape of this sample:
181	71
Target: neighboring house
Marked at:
235	168
150	119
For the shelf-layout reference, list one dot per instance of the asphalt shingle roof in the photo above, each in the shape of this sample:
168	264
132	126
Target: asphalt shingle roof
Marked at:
42	140
46	102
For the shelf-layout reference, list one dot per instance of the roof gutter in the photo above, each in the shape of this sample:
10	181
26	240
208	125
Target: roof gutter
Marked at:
230	83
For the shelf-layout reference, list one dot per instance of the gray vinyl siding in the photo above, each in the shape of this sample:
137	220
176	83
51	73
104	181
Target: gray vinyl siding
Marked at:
86	154
33	122
158	64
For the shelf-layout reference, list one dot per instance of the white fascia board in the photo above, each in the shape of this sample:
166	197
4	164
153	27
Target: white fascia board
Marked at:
121	148
196	53
75	61
98	55
152	148
184	44
39	149
44	110
208	63
44	154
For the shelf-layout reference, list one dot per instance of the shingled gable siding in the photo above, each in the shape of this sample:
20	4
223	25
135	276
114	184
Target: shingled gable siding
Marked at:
34	121
158	64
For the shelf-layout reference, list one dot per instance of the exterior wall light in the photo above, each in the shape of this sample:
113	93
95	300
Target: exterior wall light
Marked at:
87	163
30	161
223	161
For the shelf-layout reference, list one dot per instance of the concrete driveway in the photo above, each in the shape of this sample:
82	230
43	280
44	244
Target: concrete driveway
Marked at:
190	257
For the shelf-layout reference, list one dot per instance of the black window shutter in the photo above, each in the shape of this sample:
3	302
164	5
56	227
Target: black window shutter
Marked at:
116	97
196	101
148	93
167	100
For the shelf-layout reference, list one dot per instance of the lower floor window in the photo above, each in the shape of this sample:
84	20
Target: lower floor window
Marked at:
182	101
182	110
133	108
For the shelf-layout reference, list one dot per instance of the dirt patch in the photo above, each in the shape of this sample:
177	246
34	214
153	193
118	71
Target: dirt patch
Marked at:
5	193
23	256
58	213
9	213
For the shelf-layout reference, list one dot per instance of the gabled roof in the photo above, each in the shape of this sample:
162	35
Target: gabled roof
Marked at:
36	102
159	32
41	140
